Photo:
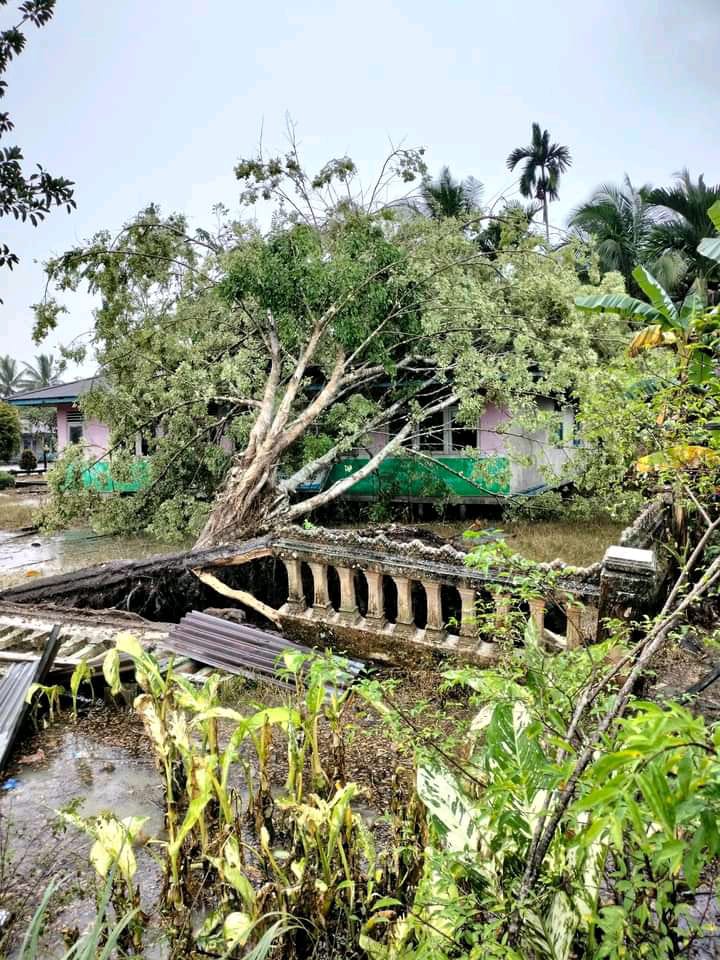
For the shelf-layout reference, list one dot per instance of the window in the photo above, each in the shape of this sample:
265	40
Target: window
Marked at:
462	435
431	433
75	433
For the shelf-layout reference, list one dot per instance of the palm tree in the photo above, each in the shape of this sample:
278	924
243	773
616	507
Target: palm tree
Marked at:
620	220
445	197
682	212
46	372
544	162
12	378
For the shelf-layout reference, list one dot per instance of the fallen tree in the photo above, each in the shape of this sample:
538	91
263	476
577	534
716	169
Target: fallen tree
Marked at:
350	323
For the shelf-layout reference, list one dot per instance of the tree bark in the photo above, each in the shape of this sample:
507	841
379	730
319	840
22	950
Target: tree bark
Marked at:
150	585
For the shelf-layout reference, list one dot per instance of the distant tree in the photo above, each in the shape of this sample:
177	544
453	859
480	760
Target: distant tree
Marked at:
32	196
12	378
544	162
683	223
620	220
46	372
9	432
446	197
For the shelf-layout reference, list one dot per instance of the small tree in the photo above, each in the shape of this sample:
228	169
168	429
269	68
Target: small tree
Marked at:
9	431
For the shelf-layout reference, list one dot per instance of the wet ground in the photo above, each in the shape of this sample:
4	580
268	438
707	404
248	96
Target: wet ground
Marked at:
99	764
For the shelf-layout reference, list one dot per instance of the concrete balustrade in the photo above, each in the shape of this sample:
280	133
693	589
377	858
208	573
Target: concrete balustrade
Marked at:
405	627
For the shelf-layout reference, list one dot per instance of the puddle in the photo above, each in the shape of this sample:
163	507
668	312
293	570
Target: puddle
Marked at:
102	764
25	555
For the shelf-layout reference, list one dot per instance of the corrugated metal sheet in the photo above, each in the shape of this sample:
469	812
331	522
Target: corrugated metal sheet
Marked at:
236	648
13	690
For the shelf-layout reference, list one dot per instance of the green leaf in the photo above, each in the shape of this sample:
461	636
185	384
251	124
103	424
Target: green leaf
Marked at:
111	671
714	214
656	294
701	368
619	303
710	248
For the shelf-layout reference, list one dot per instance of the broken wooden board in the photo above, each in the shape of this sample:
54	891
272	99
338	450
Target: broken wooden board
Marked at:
14	688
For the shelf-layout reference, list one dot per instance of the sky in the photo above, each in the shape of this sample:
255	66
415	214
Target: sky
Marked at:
143	101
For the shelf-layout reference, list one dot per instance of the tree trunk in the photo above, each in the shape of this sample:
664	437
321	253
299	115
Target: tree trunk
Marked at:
250	503
151	586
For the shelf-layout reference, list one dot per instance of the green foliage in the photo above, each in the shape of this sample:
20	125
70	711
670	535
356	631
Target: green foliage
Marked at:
32	196
9	431
348	309
7	480
28	461
624	505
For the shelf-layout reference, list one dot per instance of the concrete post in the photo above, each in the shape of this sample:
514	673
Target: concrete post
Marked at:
630	582
405	620
537	615
376	599
321	605
435	629
348	612
573	637
468	613
296	597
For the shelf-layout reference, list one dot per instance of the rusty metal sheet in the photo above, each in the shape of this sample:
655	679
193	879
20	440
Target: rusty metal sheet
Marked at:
237	648
13	690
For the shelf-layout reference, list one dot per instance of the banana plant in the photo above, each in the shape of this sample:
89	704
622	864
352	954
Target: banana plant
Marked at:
81	674
683	328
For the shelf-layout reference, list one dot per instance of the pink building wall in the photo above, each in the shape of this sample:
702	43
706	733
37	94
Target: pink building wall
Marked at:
491	441
95	433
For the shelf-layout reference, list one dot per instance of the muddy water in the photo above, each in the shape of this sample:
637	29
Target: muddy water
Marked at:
33	555
99	764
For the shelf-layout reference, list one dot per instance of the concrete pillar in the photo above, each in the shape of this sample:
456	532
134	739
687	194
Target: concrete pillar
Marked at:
296	598
405	621
574	625
435	629
348	611
468	613
321	604
537	615
502	609
376	599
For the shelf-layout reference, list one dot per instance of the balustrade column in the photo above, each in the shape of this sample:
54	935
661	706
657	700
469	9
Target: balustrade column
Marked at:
376	599
348	611
321	604
537	615
405	620
296	596
573	636
435	628
468	613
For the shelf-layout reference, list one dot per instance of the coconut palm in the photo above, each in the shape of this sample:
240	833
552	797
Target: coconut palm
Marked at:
46	372
683	222
619	219
544	163
446	197
12	378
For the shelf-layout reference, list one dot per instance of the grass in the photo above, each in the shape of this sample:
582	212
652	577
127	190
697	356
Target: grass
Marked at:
15	516
579	543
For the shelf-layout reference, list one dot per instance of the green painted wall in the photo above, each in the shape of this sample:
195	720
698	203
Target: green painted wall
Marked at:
406	477
98	477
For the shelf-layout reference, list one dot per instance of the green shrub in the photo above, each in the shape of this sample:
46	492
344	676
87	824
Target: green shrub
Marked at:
28	461
7	480
9	431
